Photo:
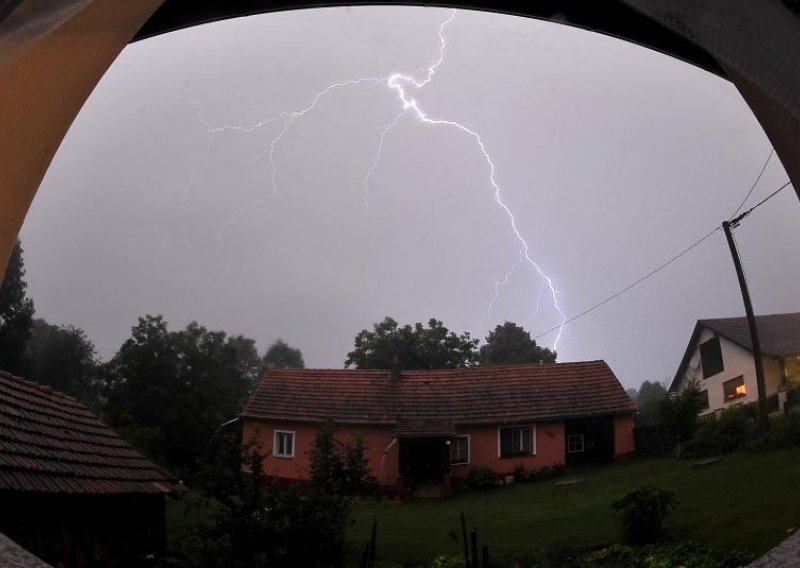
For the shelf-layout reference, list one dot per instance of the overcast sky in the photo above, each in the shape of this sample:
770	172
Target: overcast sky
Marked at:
612	159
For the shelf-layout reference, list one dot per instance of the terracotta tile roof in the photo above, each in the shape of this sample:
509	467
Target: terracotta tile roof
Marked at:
50	442
479	395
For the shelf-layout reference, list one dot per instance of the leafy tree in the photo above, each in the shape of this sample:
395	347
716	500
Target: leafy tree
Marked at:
16	314
281	356
65	359
649	399
265	524
679	414
388	345
169	391
510	344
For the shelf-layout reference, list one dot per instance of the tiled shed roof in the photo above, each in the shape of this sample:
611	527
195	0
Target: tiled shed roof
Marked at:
50	442
478	395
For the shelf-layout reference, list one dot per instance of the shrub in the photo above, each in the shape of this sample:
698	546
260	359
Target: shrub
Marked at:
722	435
481	477
643	512
686	554
445	561
522	475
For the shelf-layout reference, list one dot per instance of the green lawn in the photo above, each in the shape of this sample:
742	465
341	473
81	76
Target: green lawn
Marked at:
746	502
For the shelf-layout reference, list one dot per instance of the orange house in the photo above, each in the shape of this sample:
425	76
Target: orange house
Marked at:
430	426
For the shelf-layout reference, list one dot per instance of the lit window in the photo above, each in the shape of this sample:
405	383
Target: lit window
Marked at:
734	389
284	444
517	441
574	443
459	450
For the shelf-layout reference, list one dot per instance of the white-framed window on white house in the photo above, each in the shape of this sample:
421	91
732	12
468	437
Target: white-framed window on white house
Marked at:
516	441
459	450
283	446
575	443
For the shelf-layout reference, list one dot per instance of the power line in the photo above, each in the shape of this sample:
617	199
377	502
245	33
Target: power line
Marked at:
735	221
637	282
761	173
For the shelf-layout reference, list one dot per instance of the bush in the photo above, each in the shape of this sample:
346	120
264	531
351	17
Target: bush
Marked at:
522	475
685	554
643	512
722	435
481	477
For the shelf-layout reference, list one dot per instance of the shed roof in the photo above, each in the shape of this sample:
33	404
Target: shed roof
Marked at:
50	442
478	395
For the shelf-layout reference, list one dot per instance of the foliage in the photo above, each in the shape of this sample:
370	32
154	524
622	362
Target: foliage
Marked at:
267	524
643	512
649	399
340	469
720	434
510	344
447	561
686	554
480	477
167	392
281	356
388	345
522	475
16	315
64	358
679	414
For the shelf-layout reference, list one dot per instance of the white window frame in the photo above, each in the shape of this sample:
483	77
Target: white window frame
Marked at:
469	449
583	443
531	427
275	443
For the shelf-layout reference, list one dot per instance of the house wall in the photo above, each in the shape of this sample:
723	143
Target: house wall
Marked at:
736	361
383	467
484	449
623	435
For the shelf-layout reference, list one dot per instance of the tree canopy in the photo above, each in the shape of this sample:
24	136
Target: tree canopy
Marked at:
281	356
510	344
649	399
65	359
16	314
168	391
388	345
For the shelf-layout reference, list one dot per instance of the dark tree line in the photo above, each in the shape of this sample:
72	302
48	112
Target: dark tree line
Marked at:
433	346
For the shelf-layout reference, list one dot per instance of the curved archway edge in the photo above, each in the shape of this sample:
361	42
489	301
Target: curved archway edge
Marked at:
45	80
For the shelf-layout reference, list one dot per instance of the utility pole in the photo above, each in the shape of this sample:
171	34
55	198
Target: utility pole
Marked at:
761	405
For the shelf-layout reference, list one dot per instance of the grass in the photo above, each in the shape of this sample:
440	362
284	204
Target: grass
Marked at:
745	502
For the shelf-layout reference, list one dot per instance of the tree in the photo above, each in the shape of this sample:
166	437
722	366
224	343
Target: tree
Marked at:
16	315
281	356
649	399
65	359
679	414
169	391
388	345
510	344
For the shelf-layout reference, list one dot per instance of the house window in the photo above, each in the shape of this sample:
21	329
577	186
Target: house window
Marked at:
711	357
734	389
704	400
459	450
284	444
575	443
517	441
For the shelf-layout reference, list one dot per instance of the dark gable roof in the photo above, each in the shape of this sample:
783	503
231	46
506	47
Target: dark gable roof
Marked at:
778	334
479	395
50	442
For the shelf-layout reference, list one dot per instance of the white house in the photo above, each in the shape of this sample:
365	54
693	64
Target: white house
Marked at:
719	357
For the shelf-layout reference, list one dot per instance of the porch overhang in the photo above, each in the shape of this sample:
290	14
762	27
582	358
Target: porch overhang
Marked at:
407	428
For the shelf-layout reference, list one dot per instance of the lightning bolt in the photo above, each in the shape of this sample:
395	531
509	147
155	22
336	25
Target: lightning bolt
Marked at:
400	84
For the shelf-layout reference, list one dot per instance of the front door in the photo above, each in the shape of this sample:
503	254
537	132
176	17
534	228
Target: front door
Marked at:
424	459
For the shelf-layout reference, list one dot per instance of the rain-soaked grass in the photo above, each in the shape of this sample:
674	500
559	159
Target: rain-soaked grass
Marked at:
746	501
